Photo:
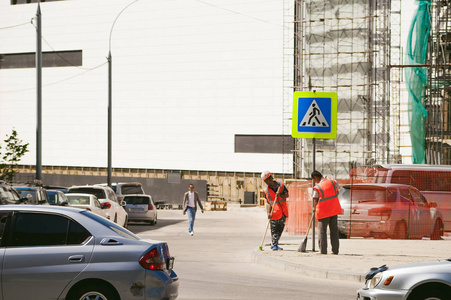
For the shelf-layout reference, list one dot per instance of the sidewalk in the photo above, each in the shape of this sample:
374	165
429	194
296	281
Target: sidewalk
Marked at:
356	257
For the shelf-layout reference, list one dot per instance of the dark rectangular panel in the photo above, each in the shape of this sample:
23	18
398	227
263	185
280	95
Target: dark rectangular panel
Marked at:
14	2
49	59
264	143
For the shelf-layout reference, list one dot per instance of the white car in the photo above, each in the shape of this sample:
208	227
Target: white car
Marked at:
126	188
141	208
89	202
420	281
108	198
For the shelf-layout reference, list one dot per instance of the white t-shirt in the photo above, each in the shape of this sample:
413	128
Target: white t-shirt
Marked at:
191	202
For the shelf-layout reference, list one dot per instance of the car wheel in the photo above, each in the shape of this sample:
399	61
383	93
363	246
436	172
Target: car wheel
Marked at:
400	231
435	292
437	233
91	292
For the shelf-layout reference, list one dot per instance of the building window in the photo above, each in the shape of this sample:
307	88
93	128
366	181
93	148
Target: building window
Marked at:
49	59
264	144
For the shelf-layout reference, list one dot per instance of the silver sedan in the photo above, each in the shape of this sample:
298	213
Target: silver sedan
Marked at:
53	252
421	281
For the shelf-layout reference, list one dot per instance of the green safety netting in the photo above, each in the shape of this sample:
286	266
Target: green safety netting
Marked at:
416	78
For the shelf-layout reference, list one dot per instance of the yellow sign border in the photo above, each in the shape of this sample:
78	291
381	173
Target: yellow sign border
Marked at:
318	135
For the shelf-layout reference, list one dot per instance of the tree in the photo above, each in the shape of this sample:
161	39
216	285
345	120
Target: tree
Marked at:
14	150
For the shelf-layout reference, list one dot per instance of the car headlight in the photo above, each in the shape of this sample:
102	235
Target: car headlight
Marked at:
375	280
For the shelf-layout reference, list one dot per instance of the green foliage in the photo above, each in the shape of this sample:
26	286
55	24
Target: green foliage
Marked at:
14	149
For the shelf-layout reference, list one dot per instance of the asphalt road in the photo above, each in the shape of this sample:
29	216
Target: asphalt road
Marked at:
216	262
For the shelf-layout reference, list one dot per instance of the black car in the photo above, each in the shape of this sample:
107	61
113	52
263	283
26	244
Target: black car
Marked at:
32	195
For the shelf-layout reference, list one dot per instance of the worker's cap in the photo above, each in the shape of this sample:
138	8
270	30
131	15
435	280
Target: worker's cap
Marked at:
266	174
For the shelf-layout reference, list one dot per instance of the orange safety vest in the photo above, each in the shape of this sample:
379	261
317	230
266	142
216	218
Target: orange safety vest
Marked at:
280	207
328	204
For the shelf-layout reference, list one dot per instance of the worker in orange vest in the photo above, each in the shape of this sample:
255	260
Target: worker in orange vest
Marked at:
325	197
276	196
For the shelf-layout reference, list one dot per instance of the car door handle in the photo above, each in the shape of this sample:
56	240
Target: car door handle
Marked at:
76	258
110	242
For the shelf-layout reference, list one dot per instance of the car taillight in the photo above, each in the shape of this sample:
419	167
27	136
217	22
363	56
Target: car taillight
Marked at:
150	207
106	205
87	208
380	211
152	260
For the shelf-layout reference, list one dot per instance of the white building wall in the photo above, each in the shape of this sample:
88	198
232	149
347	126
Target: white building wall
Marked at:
187	76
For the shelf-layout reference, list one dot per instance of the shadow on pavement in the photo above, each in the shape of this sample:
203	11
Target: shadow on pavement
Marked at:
137	227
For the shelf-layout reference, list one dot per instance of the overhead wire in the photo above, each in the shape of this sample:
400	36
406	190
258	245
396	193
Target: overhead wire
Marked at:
56	52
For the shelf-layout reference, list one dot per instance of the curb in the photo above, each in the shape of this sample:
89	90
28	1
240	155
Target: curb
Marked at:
272	262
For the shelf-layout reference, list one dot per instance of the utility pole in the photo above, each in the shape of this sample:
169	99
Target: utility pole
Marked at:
110	100
39	94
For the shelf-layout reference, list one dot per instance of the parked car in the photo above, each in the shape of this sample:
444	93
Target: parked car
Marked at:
81	256
108	198
89	202
54	187
32	195
141	208
420	281
126	188
387	210
56	197
8	195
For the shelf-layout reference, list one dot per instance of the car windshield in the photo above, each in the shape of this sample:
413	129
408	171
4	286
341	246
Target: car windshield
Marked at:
99	193
368	195
74	199
113	226
132	189
135	200
29	194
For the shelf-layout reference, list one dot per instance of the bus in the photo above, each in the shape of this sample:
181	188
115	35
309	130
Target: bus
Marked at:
433	181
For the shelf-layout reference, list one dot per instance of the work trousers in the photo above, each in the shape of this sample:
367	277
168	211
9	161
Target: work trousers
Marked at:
334	239
277	227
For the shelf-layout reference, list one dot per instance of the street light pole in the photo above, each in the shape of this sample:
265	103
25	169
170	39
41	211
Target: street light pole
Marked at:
110	100
38	94
110	118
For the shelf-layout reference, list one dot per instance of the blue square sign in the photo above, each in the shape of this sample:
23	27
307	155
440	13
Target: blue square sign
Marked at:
314	115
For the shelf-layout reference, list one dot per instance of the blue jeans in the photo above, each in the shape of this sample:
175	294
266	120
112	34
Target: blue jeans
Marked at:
191	217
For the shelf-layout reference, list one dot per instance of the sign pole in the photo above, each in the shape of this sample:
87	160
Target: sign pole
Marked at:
313	202
314	116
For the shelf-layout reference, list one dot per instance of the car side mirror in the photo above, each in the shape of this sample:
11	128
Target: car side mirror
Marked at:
123	203
64	203
23	200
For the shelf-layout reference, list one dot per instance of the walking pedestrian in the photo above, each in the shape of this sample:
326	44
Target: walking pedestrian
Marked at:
325	197
190	201
276	195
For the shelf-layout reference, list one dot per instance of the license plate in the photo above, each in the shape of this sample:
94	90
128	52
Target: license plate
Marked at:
170	263
136	210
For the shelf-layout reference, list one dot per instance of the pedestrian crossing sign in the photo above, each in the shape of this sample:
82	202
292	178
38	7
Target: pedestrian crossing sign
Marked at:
314	115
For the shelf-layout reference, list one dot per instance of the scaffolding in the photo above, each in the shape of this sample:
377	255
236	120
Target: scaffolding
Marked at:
348	47
438	91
